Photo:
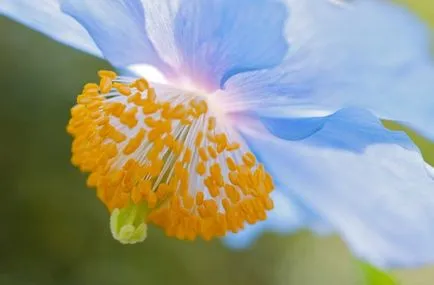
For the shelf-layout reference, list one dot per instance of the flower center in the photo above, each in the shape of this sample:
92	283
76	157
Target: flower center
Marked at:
161	155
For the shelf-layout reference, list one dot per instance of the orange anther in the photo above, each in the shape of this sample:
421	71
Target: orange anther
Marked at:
107	73
141	84
105	85
122	89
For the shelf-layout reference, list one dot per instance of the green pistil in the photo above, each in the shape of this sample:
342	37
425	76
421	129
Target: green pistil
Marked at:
128	224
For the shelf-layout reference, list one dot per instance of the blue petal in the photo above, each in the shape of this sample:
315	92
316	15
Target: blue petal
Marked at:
118	28
46	17
353	120
376	191
369	54
220	38
295	128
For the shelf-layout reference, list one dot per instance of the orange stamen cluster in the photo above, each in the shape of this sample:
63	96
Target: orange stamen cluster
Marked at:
169	151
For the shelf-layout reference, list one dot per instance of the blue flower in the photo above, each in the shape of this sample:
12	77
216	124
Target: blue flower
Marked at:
301	84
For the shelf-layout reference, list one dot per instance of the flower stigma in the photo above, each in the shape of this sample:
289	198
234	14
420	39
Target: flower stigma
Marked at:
167	156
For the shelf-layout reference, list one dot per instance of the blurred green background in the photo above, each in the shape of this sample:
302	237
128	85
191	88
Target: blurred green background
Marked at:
53	229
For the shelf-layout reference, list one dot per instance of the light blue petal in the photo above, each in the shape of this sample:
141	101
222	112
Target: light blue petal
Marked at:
220	38
353	121
369	54
45	16
369	183
118	28
295	128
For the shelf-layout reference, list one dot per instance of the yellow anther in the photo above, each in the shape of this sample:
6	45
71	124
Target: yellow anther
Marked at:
184	183
198	140
135	142
105	130
211	207
90	87
242	180
163	190
180	232
231	164
267	202
259	172
150	122
107	73
201	107
187	156
177	147
203	213
199	198
92	180
200	168
141	84
159	145
233	178
179	170
116	177
152	155
222	142
202	154
193	109
249	159
211	123
216	173
193	103
152	200
186	122
129	117
233	146
212	152
122	89
94	106
166	110
145	187
111	150
131	164
221	139
116	136
119	201
83	99
268	182
174	181
214	190
175	203
232	193
169	140
78	110
226	204
149	107
178	112
105	84
188	201
164	126
154	135
151	94
211	137
208	182
136	99
136	195
114	108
